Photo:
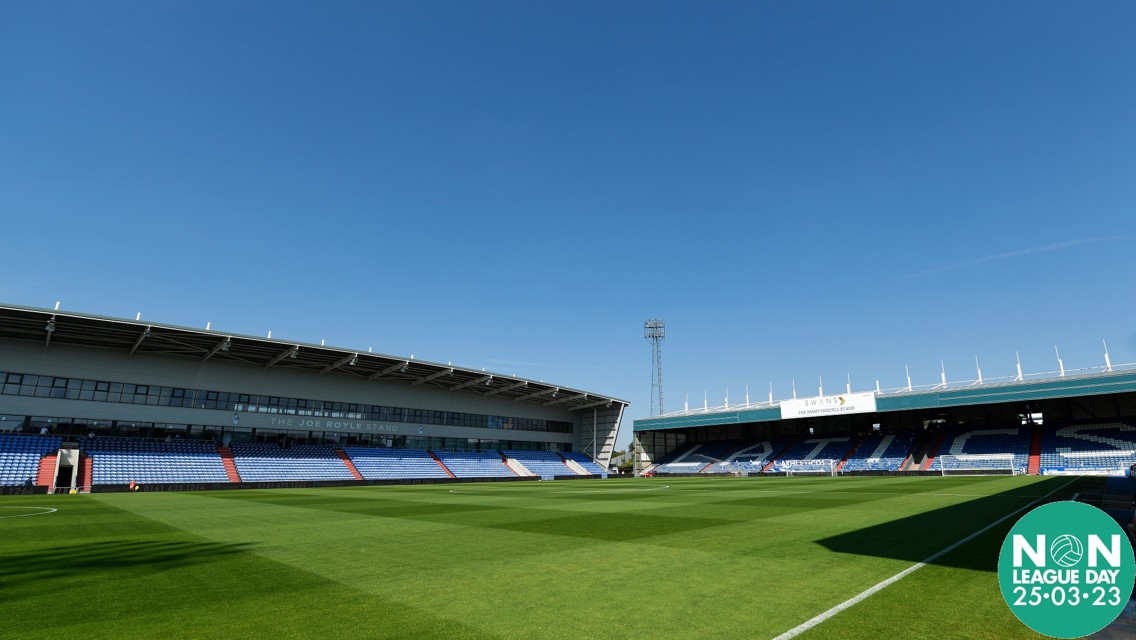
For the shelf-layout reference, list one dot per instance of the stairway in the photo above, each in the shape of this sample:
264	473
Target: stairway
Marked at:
86	472
575	467
934	452
1035	452
441	465
918	452
45	476
518	468
855	446
347	462
230	466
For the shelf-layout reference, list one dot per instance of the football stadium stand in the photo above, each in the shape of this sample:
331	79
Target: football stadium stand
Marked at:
879	452
266	462
749	457
1089	448
20	456
814	449
375	463
585	462
475	464
1098	447
697	458
985	449
123	460
541	463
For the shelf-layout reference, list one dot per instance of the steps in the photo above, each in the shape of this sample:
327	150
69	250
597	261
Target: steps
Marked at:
934	452
347	462
575	467
86	472
855	446
45	476
918	453
441	465
1035	452
780	453
230	466
518	468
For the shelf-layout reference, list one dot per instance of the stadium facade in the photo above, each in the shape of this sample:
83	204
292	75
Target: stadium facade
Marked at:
74	374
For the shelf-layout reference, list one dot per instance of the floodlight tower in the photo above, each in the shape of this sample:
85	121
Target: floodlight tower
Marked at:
655	331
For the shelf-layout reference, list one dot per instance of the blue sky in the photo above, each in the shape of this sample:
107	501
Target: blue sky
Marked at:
799	189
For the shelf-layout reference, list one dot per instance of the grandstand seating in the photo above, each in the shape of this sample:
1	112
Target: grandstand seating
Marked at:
698	457
985	442
20	456
375	463
122	460
541	463
879	452
1100	446
815	449
747	456
259	462
475	464
585	461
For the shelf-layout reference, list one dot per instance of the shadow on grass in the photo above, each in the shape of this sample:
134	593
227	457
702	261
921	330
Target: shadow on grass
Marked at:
110	556
917	537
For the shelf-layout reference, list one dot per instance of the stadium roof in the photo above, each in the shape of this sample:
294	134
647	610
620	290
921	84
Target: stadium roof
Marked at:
1121	379
135	336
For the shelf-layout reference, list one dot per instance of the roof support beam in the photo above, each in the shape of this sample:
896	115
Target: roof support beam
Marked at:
398	366
433	376
508	387
220	346
290	353
145	334
466	385
349	359
582	396
50	329
596	404
552	390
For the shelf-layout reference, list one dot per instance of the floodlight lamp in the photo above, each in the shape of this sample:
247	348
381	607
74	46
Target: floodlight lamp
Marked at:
353	361
50	326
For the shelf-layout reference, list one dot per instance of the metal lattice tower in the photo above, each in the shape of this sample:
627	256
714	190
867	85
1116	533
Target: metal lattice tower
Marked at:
655	331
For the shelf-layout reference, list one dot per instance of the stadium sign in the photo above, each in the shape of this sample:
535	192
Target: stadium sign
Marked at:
828	405
1066	569
324	424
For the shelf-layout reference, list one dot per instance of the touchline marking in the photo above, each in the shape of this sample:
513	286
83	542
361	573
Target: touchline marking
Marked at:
43	511
577	491
857	599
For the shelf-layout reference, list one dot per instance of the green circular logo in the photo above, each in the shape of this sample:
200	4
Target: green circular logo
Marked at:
1066	569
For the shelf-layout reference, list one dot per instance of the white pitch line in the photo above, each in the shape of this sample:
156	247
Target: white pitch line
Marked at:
43	511
857	599
571	491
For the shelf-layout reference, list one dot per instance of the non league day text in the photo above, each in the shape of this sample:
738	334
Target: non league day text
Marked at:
1065	576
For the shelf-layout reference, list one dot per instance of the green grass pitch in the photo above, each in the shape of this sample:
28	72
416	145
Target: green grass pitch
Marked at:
674	558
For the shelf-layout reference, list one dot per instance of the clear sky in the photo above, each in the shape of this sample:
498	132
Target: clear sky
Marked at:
799	189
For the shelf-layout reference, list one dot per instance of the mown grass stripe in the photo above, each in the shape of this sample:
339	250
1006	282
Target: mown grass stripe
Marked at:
867	593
